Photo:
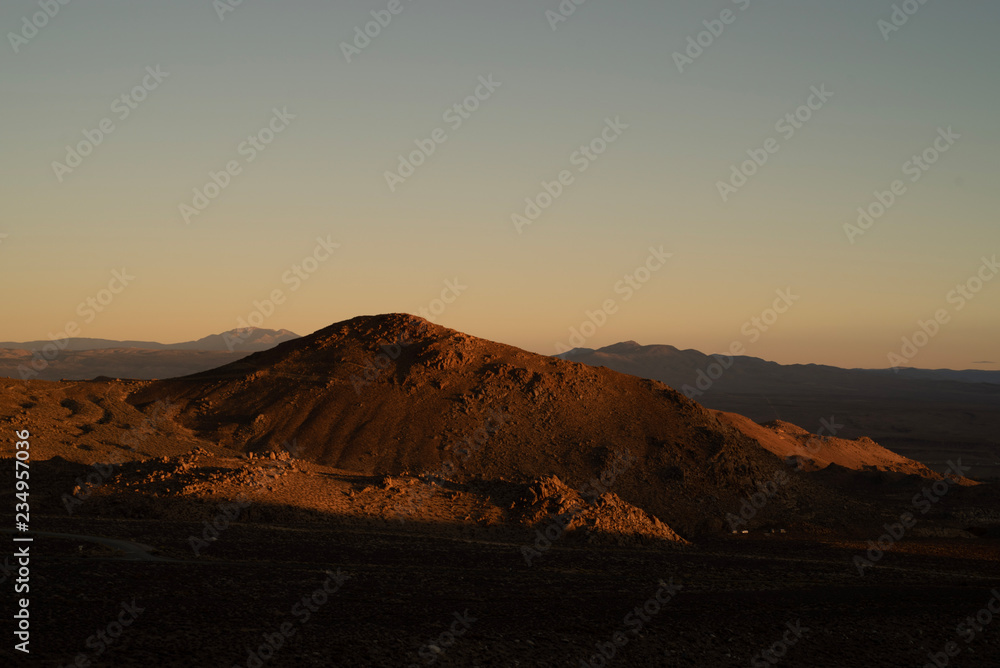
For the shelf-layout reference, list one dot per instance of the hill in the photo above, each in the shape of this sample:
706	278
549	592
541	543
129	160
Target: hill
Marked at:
395	394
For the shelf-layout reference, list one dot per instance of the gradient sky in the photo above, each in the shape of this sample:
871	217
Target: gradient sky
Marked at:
324	175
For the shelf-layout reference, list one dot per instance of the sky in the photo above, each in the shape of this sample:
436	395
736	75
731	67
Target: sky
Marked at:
544	174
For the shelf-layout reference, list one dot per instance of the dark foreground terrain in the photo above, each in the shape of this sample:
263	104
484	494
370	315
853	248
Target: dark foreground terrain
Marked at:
408	588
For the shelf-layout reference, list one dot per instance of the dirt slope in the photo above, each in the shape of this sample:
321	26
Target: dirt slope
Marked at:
813	452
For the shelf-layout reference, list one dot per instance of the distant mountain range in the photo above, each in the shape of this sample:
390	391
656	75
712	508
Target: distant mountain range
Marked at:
923	414
82	359
235	340
677	368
